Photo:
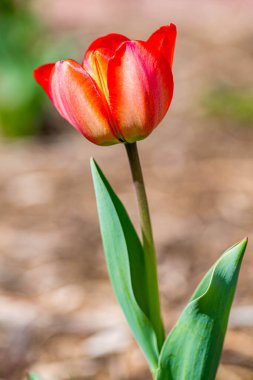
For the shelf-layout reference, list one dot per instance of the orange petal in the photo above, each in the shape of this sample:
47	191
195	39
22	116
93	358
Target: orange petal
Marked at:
79	100
163	41
110	42
97	68
98	55
140	89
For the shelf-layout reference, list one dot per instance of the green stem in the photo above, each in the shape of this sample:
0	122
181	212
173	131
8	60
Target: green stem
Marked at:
148	243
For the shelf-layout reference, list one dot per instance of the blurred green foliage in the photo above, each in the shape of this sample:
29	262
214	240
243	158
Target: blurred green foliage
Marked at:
33	376
24	46
7	6
230	103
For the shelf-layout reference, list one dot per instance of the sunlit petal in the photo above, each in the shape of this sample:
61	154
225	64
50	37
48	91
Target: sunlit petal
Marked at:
79	100
163	40
140	89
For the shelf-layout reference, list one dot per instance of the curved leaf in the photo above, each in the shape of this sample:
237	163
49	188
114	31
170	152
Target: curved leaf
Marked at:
193	348
125	263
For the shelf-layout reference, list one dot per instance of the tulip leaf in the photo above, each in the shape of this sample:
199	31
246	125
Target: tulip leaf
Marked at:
193	348
125	263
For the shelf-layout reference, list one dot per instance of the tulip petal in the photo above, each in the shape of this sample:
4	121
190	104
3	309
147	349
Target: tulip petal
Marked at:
42	75
110	42
163	41
97	68
140	87
98	55
78	99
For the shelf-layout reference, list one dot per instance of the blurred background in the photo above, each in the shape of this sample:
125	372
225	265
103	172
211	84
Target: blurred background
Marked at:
58	314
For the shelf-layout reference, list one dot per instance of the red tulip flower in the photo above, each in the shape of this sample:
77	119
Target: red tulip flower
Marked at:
120	92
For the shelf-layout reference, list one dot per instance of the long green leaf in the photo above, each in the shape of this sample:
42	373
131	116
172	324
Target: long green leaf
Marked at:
125	263
193	348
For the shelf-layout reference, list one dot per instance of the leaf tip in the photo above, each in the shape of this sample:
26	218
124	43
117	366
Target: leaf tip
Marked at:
241	245
93	165
244	243
238	249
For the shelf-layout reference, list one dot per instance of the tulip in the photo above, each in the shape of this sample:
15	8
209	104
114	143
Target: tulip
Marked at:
120	92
